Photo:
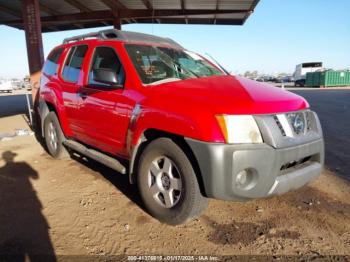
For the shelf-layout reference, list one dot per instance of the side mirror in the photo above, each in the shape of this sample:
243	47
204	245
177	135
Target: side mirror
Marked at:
106	76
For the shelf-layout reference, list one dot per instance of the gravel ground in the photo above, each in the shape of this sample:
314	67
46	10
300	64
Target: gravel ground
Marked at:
79	207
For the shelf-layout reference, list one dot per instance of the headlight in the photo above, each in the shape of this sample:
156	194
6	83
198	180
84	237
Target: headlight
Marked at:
297	120
239	129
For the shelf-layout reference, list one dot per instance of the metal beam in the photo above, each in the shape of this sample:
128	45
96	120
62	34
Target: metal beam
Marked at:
35	51
114	3
137	13
216	9
198	21
117	24
124	13
115	6
183	7
10	11
48	10
78	5
79	26
32	26
54	12
147	4
141	13
251	10
163	20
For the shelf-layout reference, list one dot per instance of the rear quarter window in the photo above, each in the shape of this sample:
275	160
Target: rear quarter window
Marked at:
51	65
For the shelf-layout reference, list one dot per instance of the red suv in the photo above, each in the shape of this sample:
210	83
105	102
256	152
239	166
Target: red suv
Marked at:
176	123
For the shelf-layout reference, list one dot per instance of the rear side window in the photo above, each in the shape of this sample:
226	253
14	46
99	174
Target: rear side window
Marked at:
74	62
51	64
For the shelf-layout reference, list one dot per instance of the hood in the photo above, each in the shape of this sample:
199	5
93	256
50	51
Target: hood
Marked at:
228	95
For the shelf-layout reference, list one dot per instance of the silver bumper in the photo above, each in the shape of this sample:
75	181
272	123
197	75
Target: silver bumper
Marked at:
271	171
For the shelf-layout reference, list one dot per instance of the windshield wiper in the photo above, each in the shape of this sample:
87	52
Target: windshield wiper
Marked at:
185	69
173	61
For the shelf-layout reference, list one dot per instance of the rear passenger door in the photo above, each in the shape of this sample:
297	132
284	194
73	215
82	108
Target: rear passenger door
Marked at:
105	108
71	79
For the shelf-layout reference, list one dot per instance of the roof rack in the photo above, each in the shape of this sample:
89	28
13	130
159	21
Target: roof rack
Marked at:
114	34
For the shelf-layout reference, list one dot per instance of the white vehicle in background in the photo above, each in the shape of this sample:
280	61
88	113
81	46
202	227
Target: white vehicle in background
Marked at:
16	84
5	86
302	69
26	84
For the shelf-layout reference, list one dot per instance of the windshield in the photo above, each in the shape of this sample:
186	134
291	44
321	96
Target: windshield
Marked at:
161	64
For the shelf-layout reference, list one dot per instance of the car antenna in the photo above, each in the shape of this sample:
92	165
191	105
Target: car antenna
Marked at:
221	67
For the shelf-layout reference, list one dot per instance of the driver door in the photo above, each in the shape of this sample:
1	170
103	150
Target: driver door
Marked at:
104	108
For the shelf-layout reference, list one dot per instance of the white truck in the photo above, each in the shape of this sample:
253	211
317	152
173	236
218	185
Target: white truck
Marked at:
302	69
6	86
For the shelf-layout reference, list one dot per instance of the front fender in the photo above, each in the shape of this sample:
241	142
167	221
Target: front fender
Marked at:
143	119
163	121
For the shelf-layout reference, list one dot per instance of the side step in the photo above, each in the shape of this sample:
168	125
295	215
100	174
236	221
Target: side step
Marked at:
95	155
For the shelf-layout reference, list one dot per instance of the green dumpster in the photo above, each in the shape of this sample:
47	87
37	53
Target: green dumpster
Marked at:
328	79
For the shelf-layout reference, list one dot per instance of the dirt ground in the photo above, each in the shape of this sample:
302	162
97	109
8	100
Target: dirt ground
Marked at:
79	207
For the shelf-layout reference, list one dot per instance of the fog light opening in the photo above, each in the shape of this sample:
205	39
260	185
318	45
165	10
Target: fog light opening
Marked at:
241	178
246	179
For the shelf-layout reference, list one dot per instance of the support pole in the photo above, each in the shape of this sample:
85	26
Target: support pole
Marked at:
35	52
117	23
29	110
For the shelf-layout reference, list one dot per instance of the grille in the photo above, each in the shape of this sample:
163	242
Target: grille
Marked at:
294	124
308	118
279	126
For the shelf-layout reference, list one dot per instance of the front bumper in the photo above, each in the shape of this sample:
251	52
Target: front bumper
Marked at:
271	171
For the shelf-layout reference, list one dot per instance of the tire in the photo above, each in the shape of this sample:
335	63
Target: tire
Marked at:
54	136
168	184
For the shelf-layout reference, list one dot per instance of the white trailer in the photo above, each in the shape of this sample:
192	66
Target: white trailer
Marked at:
6	86
303	68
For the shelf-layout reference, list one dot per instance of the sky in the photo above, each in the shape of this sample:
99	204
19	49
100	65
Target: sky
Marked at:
278	35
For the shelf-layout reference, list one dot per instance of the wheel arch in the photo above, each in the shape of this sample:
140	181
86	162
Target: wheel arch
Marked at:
45	108
150	135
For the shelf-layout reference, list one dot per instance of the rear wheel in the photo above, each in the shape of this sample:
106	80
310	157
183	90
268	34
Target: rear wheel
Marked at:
168	184
54	136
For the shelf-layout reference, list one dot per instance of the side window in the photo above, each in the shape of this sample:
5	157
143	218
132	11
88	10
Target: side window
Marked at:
51	64
106	58
73	63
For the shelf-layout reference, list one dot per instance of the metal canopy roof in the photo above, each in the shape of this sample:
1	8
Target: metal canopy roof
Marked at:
57	15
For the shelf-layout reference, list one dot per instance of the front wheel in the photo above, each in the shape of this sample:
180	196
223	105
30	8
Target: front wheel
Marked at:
168	184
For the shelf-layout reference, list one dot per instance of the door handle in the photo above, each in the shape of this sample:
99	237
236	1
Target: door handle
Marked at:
82	94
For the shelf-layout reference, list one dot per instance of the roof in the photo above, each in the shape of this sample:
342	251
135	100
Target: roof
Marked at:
57	15
114	34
